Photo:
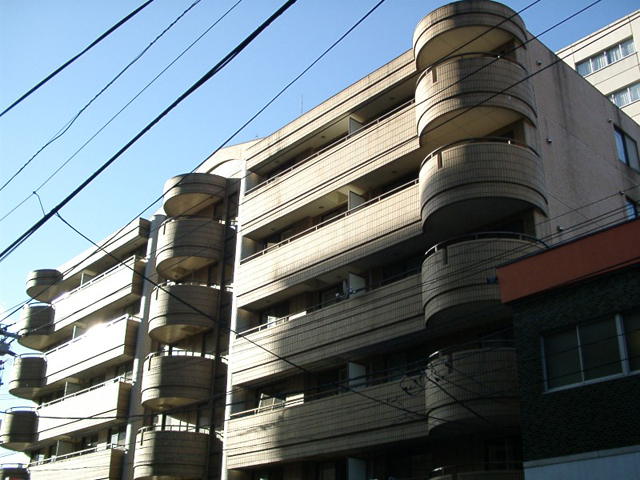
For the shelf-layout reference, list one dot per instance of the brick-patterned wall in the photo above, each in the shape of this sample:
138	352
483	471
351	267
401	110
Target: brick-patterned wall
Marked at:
592	417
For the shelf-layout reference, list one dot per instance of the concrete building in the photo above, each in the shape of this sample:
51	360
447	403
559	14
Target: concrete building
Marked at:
608	59
577	330
366	336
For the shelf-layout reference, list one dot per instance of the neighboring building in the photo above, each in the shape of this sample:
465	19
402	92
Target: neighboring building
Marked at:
608	59
577	329
367	335
131	379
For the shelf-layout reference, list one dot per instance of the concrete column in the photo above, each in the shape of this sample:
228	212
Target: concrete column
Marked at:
143	348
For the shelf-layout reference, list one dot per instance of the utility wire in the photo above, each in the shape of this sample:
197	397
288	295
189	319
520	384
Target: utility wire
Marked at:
225	61
66	128
69	62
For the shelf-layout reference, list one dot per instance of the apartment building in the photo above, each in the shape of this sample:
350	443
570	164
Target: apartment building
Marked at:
133	337
321	303
371	340
577	330
608	59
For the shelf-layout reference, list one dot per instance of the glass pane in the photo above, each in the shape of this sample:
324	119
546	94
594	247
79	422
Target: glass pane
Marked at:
584	68
562	360
614	54
632	335
634	92
632	153
599	62
621	98
620	145
627	47
600	349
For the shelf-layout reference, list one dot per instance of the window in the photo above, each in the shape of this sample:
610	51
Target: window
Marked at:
117	435
592	351
609	56
633	209
627	149
272	314
627	95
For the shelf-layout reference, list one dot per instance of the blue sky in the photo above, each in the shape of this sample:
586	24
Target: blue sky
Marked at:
36	36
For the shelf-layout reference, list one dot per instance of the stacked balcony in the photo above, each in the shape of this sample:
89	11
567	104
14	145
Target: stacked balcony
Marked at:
457	277
103	463
189	193
172	379
42	285
27	375
472	389
35	326
18	429
14	471
180	310
170	452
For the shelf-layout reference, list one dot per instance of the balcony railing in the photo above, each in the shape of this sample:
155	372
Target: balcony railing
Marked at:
343	215
79	453
331	146
120	379
485	236
484	471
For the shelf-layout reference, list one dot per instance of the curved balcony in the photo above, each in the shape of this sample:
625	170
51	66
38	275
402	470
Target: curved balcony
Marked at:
186	244
171	316
171	379
27	375
42	284
14	471
170	454
471	95
463	27
35	326
481	180
472	388
191	192
18	429
456	276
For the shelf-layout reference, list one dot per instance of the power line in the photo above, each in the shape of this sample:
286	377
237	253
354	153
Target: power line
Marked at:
73	59
226	60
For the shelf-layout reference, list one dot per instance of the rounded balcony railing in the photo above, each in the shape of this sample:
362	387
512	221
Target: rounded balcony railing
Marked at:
483	471
458	277
179	310
472	388
170	453
189	193
42	285
461	27
27	375
481	180
172	379
19	426
35	326
472	95
186	244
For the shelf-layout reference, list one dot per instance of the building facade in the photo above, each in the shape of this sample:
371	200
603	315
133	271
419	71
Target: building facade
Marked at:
577	330
330	312
608	59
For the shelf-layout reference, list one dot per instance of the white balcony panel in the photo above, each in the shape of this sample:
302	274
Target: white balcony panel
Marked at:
368	150
116	288
102	346
380	315
104	401
342	422
87	465
360	233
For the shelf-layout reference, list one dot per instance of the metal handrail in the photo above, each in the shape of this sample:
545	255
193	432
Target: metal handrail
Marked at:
123	264
126	316
483	235
20	409
332	145
319	306
172	283
174	428
478	140
506	343
180	353
331	220
118	379
99	448
30	355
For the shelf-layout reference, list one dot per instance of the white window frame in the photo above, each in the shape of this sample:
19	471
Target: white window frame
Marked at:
604	54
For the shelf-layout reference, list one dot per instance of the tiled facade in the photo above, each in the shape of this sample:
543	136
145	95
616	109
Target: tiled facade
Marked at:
329	310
